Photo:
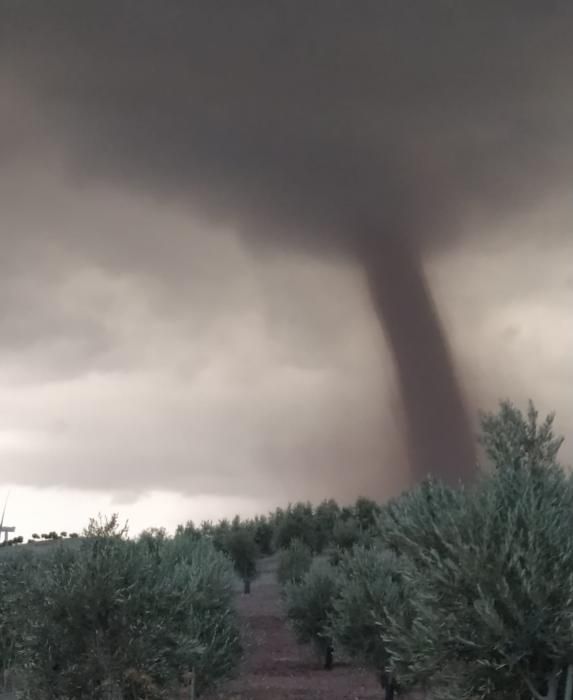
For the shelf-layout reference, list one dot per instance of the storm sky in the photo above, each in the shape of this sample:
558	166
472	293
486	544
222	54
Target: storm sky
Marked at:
254	252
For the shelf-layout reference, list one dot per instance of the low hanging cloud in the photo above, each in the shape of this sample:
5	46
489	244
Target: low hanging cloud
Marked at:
205	207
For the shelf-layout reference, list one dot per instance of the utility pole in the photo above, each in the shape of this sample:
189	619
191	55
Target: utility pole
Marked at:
4	529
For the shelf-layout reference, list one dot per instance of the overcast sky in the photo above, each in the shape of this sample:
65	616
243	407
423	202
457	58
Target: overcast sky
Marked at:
187	326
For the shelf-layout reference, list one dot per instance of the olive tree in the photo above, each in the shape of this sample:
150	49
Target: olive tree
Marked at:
130	618
309	604
370	589
490	578
242	549
297	522
294	562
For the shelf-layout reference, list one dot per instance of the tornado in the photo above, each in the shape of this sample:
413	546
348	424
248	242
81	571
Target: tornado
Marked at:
438	429
375	133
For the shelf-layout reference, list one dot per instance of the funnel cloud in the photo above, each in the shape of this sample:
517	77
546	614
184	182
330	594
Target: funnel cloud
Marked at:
381	135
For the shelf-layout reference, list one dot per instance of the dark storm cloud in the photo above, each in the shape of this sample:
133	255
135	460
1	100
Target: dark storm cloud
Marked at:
369	130
318	113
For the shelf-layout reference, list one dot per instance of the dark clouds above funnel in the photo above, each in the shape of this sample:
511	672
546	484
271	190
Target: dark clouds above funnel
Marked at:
336	127
321	113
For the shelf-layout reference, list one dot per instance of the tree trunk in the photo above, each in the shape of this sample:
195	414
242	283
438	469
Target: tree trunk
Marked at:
247	586
387	683
569	684
552	687
329	658
192	688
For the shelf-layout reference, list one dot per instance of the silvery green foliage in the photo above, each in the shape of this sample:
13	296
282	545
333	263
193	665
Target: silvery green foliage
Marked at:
512	439
210	579
492	589
310	604
297	523
409	527
105	526
294	562
413	523
370	588
127	619
15	569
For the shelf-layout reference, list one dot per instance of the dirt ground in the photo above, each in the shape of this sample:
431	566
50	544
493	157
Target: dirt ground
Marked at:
275	667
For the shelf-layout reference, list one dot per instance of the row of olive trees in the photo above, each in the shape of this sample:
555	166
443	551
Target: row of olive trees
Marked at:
46	536
297	532
325	526
300	527
53	535
465	593
116	618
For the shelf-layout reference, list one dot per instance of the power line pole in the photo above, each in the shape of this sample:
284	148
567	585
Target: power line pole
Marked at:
4	529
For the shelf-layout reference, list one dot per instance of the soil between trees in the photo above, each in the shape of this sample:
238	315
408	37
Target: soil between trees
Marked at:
275	667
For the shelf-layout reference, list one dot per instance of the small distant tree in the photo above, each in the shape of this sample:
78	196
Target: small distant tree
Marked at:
243	552
294	562
297	523
310	604
264	534
35	536
346	534
366	511
190	530
220	536
106	527
207	528
326	516
153	538
158	533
